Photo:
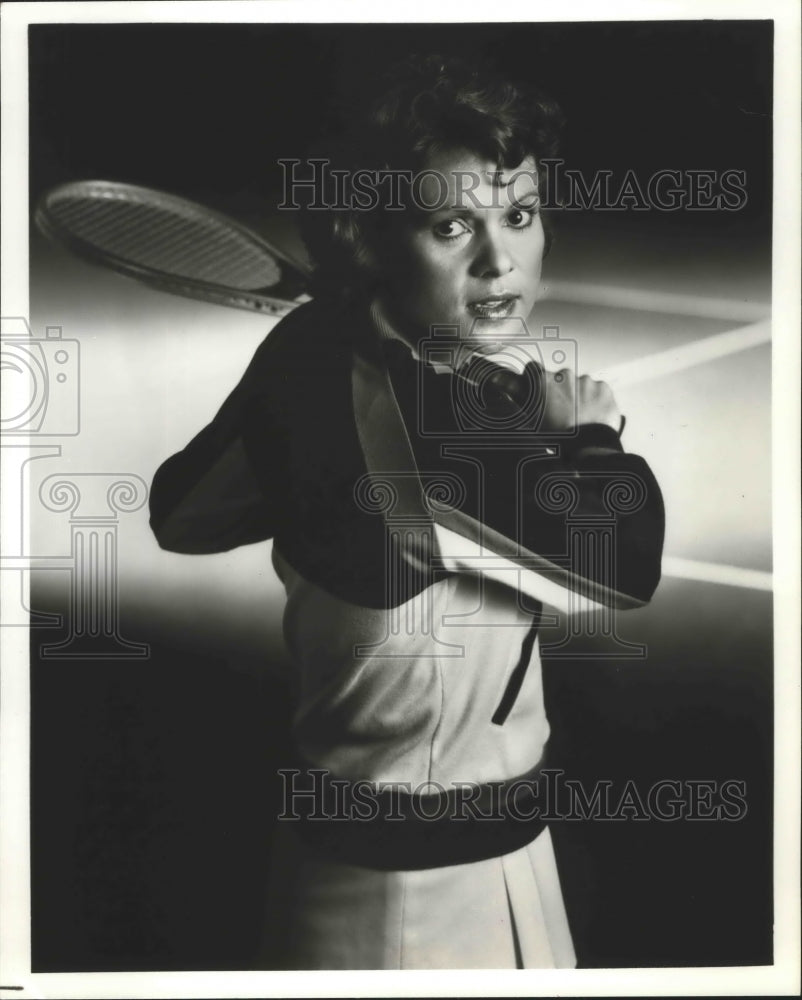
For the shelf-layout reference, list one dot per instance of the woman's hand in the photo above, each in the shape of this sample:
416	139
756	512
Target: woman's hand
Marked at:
572	401
567	401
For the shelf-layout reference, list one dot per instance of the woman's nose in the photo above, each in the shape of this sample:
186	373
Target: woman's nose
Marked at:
493	259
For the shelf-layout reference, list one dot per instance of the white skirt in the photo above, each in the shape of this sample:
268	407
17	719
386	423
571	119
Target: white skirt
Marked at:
502	913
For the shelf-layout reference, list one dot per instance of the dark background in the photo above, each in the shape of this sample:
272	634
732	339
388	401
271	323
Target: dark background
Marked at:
206	110
154	783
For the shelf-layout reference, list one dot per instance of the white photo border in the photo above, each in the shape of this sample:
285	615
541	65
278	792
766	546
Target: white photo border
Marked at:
15	901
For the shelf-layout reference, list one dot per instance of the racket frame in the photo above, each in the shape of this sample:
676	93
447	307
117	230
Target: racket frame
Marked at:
96	190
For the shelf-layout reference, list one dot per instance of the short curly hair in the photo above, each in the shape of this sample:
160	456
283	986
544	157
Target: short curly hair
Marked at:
428	104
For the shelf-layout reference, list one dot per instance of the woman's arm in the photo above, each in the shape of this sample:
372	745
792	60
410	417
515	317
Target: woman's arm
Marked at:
608	509
554	498
205	498
596	508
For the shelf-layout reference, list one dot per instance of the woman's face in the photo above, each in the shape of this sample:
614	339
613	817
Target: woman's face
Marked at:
474	262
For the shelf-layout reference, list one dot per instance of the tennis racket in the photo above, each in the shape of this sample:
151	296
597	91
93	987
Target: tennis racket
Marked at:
172	244
184	248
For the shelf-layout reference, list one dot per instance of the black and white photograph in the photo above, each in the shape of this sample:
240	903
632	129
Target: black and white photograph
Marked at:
400	550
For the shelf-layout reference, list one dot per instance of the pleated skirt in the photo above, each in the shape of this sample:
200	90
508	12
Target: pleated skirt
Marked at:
501	913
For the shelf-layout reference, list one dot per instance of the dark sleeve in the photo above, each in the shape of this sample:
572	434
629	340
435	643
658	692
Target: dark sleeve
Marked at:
584	504
610	512
205	498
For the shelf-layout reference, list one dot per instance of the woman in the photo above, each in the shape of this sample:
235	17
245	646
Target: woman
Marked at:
422	476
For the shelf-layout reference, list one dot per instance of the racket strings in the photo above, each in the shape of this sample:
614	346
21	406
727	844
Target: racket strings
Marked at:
101	223
160	238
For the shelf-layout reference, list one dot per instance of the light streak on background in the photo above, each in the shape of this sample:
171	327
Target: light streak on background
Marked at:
651	300
729	576
677	359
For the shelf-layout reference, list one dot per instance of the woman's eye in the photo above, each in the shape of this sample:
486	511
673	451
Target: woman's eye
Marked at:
450	229
520	218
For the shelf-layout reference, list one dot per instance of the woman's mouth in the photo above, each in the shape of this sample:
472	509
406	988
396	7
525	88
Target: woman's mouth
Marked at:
494	306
